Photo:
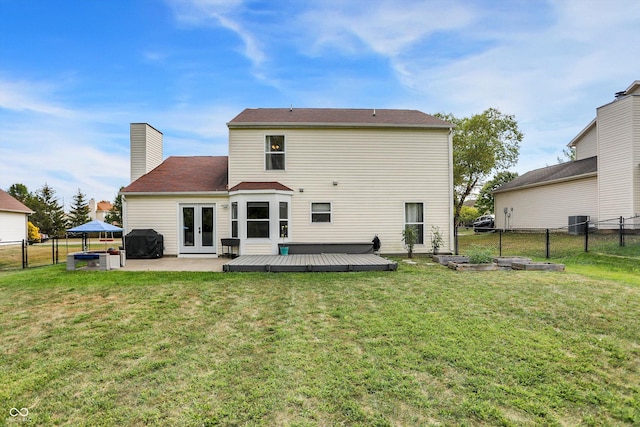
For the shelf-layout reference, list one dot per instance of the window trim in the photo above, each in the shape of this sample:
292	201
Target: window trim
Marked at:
312	212
421	240
282	153
255	220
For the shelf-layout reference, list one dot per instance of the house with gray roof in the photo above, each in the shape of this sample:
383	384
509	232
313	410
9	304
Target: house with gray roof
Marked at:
311	175
602	184
14	216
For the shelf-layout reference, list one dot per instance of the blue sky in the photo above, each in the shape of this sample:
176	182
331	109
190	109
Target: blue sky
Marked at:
75	73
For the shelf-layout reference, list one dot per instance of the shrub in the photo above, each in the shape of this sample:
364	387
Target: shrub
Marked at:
479	255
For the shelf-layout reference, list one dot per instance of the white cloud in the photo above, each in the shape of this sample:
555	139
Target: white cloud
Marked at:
224	13
31	96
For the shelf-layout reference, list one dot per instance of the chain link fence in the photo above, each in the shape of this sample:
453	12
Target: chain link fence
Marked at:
611	236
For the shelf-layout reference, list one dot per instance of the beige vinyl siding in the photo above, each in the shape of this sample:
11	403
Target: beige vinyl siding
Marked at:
615	159
146	149
13	227
161	214
376	170
587	146
547	206
635	180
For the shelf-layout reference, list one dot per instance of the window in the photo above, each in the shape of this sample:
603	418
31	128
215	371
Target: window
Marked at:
414	216
274	152
320	212
284	219
234	219
258	220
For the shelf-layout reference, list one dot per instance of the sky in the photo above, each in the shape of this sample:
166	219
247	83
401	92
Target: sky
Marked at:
75	73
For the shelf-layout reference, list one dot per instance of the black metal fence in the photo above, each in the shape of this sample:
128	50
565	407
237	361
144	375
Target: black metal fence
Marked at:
610	236
22	254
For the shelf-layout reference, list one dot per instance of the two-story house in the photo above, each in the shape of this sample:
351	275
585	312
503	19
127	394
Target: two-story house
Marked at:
298	175
602	184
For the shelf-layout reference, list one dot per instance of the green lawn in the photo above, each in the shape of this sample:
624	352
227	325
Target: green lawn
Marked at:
421	346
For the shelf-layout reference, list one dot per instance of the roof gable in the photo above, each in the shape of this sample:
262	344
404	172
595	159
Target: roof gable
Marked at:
326	117
8	203
560	172
184	174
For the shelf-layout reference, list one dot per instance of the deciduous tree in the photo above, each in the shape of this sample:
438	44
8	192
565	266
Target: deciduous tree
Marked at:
483	144
486	202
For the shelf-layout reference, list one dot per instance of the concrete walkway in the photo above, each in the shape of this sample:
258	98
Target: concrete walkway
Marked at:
169	263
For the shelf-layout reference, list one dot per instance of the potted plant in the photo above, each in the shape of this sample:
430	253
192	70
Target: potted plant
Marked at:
409	236
284	250
436	239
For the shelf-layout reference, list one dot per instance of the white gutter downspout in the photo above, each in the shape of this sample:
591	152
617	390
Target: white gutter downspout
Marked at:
451	224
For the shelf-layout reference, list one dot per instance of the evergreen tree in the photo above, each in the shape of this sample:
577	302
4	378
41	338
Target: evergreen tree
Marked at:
48	216
79	213
115	214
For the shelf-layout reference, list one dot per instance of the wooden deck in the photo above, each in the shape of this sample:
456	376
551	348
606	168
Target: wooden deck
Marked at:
310	262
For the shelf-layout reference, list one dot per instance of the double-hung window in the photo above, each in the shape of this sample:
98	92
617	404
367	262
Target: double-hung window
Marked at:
320	212
414	217
234	219
274	152
258	220
284	220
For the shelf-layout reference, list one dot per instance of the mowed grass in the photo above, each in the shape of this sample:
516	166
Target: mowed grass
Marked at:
421	346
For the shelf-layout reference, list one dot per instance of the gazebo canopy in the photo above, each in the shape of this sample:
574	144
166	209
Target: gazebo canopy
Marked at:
95	226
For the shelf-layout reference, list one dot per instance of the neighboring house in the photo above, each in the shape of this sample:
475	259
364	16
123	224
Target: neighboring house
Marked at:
14	216
298	175
99	210
603	183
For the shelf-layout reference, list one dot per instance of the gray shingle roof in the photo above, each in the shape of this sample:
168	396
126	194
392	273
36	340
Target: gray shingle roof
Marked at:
559	172
336	117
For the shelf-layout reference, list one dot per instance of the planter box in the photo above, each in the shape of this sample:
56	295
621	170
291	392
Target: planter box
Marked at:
537	266
507	261
445	259
463	266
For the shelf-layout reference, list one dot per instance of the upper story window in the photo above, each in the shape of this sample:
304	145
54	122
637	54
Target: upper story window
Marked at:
274	152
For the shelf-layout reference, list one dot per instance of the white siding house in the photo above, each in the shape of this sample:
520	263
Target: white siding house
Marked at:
14	216
603	183
313	176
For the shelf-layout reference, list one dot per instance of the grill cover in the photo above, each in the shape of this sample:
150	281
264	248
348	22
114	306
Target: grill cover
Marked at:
144	244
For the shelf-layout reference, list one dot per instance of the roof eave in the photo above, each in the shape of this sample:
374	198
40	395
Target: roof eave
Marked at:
300	125
553	181
175	193
26	212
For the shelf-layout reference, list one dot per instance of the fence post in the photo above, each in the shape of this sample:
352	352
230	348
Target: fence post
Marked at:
24	253
500	251
455	240
621	231
547	245
586	236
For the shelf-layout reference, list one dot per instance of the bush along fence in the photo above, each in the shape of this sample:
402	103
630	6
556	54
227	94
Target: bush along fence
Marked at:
21	254
605	236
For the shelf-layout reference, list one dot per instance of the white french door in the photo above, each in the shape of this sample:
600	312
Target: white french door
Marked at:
197	229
